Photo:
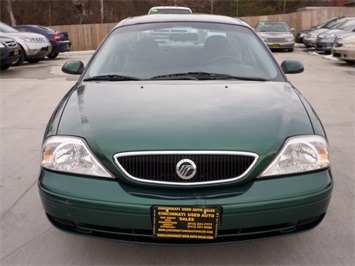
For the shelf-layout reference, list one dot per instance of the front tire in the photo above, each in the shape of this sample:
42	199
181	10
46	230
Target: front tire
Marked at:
20	59
52	56
33	61
4	67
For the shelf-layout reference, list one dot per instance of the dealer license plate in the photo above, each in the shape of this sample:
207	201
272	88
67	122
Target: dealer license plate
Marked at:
185	222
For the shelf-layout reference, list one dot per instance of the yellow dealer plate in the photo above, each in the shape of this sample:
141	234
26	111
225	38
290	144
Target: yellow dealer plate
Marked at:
185	222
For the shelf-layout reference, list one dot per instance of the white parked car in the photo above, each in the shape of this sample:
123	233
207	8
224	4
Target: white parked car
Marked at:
34	46
344	48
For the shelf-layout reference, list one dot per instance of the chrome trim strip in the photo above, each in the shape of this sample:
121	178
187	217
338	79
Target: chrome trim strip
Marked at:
127	154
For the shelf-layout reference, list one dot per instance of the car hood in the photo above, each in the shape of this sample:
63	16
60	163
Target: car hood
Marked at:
6	38
316	32
183	115
18	35
335	32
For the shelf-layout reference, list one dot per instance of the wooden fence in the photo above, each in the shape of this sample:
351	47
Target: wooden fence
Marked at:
89	36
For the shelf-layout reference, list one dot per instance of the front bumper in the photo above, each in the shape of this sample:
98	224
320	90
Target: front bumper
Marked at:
60	47
309	42
37	50
280	45
107	209
324	46
343	53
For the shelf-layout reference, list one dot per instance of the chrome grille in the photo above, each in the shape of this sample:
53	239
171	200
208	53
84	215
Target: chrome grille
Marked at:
11	44
276	39
160	167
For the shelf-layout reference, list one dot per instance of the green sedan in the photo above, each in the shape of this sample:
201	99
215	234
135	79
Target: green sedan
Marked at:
183	129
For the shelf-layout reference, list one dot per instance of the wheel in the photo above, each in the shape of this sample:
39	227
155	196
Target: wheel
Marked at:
290	50
33	61
4	67
52	56
20	59
225	58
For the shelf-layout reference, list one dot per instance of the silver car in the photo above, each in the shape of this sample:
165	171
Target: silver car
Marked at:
276	35
344	48
325	41
310	40
34	46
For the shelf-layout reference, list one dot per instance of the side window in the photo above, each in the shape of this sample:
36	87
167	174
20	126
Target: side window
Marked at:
25	29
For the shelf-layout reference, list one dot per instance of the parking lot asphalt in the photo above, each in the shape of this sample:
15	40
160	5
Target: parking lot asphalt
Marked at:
29	94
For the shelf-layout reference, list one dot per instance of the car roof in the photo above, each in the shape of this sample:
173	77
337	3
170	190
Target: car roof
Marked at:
270	22
159	18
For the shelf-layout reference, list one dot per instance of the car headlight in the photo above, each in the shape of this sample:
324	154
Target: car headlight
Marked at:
26	39
2	46
300	154
289	39
327	37
70	154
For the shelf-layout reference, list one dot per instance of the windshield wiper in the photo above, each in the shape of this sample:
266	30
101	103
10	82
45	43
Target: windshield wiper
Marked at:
206	76
176	76
111	78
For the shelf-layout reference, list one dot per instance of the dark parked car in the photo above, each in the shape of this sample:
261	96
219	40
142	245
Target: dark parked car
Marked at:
59	40
299	37
10	52
184	140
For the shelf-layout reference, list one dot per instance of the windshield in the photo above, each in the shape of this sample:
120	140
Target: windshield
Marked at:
347	26
6	28
183	51
338	23
167	10
272	27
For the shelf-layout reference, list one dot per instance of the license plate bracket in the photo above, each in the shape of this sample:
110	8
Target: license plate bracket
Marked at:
185	222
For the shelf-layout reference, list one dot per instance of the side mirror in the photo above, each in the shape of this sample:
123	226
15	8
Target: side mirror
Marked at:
73	67
292	67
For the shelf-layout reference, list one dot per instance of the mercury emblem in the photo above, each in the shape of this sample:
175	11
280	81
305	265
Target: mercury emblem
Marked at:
186	169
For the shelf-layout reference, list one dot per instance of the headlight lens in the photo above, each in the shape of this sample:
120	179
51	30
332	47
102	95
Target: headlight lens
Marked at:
300	154
26	39
329	37
69	154
1	45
